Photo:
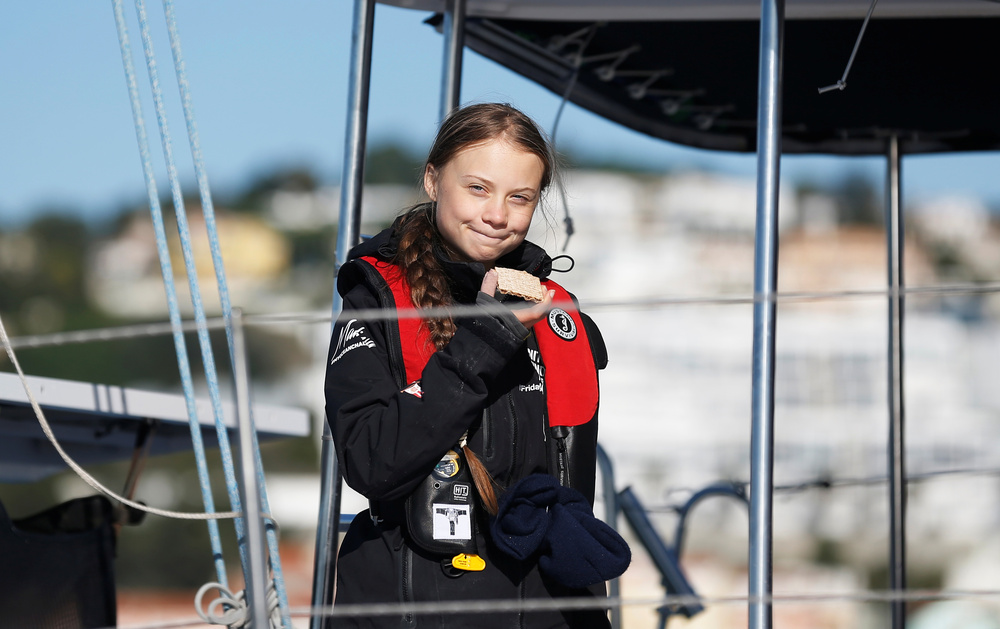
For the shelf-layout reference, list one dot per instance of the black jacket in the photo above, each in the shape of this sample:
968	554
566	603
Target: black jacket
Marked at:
387	441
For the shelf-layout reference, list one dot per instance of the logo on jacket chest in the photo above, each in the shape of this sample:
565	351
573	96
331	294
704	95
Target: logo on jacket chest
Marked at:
352	336
562	324
537	383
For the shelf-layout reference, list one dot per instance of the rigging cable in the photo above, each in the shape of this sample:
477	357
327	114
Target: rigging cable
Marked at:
577	64
167	272
644	303
184	233
208	211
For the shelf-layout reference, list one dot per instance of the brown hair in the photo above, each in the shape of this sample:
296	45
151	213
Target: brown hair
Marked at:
419	237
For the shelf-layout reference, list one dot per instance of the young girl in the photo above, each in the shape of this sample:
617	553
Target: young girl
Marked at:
508	392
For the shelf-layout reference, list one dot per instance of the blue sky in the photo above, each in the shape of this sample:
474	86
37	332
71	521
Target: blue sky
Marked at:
269	88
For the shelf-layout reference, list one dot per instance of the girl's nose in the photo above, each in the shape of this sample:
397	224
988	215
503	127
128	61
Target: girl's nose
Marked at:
495	213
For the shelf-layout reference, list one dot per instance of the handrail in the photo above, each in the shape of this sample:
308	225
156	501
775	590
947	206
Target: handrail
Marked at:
664	557
667	558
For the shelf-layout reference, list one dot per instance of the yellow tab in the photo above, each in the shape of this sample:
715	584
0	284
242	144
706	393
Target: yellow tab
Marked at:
473	563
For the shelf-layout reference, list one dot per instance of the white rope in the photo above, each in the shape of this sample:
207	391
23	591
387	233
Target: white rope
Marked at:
82	473
231	609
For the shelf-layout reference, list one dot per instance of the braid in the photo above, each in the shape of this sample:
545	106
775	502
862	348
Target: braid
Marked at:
428	283
429	289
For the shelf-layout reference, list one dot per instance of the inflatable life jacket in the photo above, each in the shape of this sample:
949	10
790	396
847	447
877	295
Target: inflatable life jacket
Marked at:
570	369
439	513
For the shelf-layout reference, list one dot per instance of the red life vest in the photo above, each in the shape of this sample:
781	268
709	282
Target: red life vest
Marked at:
570	372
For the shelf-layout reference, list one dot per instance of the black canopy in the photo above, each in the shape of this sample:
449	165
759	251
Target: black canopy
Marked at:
686	71
933	82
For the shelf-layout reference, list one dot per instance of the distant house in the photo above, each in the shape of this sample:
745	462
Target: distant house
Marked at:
125	279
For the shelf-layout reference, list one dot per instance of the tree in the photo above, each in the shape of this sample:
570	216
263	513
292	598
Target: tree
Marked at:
391	163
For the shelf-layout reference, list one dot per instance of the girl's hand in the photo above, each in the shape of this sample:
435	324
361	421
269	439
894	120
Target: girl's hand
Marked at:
490	281
528	315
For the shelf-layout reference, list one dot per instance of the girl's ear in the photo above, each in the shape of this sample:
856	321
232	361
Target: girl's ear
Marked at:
430	182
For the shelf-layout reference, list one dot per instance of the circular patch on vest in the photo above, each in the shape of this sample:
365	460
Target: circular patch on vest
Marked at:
562	324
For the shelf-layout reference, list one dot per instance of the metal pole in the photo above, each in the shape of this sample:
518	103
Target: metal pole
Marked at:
897	467
451	78
254	523
348	235
611	518
353	177
765	286
327	529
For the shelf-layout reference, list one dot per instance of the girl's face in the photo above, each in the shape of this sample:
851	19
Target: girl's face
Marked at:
485	195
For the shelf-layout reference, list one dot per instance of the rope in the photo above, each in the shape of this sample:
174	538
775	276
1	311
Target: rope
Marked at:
231	609
166	270
208	211
82	473
184	232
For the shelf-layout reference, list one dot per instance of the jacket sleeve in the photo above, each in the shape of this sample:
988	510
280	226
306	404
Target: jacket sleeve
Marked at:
388	440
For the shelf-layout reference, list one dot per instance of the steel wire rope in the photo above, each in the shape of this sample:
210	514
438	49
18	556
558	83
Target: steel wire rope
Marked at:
830	482
316	317
577	58
530	605
208	212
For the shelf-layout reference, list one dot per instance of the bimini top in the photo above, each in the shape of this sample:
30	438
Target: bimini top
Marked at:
686	70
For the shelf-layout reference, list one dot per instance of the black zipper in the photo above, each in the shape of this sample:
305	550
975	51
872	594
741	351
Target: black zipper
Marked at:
407	583
488	433
513	438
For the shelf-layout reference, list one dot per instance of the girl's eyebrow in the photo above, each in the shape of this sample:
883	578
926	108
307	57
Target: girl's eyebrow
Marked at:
481	178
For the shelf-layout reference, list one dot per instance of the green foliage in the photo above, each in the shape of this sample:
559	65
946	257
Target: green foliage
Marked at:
858	202
254	198
390	163
55	248
313	247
